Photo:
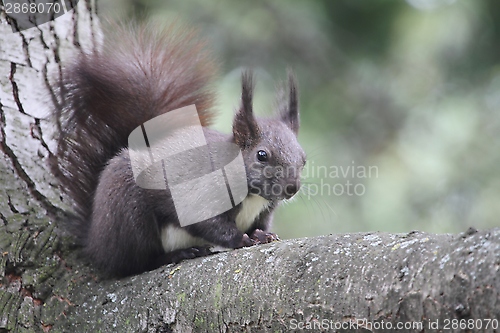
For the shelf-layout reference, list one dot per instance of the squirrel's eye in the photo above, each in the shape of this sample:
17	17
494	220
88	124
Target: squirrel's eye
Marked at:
262	155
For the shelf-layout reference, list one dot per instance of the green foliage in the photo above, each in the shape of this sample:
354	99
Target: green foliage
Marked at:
410	88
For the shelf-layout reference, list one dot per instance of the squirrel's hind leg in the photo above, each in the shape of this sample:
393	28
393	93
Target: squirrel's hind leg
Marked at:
177	256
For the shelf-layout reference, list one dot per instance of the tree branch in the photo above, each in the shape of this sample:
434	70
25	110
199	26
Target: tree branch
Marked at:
375	277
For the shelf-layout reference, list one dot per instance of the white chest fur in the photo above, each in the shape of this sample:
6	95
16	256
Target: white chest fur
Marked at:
251	207
175	238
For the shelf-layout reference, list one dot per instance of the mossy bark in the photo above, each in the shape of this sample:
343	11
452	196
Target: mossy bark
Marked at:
365	278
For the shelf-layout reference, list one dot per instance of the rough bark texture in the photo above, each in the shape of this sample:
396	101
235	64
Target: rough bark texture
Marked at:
318	283
407	279
32	267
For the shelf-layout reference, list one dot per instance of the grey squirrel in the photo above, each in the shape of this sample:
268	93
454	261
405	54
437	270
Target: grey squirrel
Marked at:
137	74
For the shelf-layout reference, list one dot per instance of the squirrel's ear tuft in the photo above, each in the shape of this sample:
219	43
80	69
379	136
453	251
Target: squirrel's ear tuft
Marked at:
288	104
245	127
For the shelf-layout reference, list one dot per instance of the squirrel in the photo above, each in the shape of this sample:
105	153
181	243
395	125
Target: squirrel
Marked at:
135	75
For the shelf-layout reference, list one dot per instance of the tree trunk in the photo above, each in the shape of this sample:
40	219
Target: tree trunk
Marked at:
346	283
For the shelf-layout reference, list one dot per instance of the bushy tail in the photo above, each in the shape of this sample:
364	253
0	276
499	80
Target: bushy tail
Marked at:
137	74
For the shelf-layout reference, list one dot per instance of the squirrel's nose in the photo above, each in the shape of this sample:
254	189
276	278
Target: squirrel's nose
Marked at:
291	189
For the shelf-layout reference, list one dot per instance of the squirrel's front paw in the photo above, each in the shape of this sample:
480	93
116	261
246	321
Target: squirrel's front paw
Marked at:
262	237
246	241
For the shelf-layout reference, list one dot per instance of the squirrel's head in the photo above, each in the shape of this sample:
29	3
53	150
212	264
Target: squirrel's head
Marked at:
273	157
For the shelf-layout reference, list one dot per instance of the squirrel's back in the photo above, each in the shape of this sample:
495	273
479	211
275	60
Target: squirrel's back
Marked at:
138	73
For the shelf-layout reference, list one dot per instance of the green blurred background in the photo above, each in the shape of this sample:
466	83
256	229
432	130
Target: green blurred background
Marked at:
409	90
